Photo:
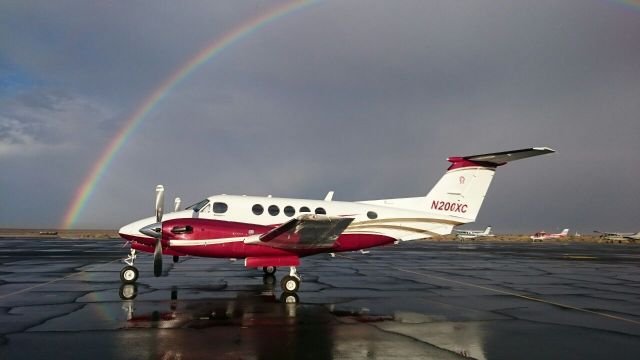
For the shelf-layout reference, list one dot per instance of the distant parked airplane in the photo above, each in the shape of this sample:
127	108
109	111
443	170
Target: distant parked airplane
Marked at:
614	236
472	234
541	235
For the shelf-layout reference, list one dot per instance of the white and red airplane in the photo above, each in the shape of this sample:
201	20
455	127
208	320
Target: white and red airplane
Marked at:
269	232
541	235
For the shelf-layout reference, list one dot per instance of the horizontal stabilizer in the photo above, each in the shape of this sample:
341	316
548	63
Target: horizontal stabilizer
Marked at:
501	158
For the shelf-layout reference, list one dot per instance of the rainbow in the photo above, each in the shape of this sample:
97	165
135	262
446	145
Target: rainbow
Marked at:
83	193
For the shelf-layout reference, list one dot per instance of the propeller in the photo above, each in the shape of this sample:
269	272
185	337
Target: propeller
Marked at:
157	253
155	230
176	204
159	202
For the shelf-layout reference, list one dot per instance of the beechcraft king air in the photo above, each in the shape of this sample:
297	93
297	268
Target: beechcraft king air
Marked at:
270	232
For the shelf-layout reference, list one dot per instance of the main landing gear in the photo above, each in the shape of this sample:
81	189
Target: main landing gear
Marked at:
289	283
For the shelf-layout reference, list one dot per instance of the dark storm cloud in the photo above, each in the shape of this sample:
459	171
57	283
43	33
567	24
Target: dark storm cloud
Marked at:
367	98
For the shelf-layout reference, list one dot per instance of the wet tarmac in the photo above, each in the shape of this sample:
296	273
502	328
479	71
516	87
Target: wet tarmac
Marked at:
63	299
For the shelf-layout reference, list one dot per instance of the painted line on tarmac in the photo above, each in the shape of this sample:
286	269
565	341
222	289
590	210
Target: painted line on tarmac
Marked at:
504	292
54	280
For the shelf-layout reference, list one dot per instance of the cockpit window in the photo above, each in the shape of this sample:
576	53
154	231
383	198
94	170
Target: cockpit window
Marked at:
199	205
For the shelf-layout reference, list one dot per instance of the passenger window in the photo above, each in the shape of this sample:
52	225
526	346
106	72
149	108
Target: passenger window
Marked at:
320	211
372	215
257	209
274	210
305	209
219	207
289	211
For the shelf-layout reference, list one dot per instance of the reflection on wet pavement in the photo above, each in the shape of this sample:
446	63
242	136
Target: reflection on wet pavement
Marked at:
63	298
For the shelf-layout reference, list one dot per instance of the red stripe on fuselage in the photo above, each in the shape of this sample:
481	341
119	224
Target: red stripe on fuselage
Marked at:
205	229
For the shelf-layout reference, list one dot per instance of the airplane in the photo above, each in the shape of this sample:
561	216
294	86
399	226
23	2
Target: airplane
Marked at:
541	235
269	232
614	236
472	234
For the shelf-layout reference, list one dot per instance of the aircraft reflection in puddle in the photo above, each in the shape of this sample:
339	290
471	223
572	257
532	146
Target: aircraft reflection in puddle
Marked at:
191	312
258	324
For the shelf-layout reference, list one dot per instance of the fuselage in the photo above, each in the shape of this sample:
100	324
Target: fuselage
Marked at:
221	225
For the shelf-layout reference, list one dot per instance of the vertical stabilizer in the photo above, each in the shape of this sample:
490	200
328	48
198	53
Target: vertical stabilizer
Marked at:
461	191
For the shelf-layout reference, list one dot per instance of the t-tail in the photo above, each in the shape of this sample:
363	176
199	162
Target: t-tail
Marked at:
459	194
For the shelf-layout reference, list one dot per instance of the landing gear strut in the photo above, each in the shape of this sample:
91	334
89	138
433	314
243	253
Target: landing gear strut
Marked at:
129	274
291	282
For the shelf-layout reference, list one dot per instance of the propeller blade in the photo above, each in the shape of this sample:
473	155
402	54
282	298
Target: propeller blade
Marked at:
157	259
176	205
159	202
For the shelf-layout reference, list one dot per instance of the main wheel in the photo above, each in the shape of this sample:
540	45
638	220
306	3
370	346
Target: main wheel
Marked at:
176	258
290	284
129	275
270	270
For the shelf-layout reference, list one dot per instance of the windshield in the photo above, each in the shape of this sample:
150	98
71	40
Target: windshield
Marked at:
199	205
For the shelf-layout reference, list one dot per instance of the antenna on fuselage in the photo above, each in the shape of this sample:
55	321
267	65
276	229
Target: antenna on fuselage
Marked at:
329	196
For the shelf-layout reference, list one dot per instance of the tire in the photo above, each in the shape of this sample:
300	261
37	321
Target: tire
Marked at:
128	275
290	284
128	291
269	270
176	258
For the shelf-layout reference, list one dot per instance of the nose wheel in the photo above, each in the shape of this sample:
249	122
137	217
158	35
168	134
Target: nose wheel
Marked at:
129	274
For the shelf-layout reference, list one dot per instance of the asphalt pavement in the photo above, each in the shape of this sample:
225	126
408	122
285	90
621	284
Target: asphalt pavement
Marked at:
419	300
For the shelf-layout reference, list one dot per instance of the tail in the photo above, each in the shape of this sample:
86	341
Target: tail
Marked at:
459	194
564	232
487	231
461	191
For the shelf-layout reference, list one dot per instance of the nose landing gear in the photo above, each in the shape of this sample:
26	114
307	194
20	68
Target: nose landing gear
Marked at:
129	274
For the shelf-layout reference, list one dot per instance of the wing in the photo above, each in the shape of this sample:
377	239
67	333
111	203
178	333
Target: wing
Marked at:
307	231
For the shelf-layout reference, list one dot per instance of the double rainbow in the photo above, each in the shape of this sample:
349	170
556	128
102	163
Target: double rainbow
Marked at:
254	24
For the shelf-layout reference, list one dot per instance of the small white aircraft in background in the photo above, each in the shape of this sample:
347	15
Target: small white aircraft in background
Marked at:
269	232
473	234
541	235
615	236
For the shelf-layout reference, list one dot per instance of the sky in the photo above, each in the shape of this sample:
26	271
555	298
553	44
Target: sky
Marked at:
366	98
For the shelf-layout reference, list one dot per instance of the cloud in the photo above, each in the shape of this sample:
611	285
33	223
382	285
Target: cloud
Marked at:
37	122
365	98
